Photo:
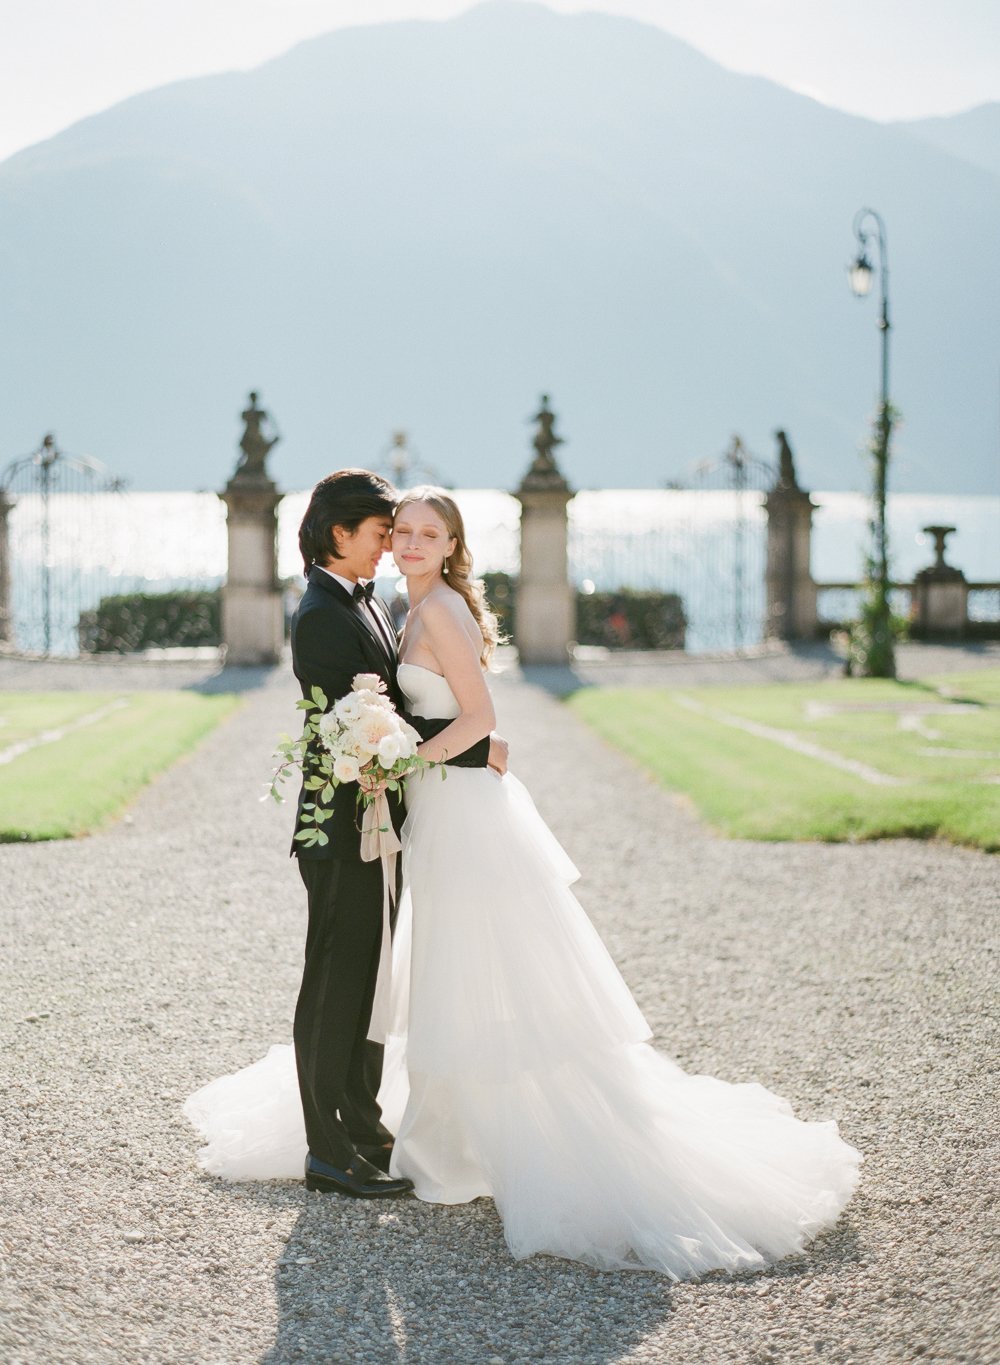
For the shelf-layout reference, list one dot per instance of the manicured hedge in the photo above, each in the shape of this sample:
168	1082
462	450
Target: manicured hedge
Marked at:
627	619
630	620
137	621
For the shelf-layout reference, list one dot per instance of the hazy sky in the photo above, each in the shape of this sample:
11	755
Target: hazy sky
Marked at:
63	59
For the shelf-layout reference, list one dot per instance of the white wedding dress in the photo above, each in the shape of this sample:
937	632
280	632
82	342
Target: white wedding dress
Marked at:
520	1067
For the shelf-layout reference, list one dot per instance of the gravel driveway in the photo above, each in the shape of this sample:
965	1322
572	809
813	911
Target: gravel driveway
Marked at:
855	980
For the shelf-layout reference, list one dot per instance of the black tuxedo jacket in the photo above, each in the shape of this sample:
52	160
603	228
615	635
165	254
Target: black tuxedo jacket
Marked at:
332	641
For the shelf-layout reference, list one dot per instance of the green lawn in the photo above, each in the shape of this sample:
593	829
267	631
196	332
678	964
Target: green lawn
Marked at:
937	742
76	783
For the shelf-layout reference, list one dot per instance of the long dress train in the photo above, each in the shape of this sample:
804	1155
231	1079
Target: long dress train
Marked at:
520	1066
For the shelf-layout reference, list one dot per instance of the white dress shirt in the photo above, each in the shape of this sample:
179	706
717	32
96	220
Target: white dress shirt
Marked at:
374	616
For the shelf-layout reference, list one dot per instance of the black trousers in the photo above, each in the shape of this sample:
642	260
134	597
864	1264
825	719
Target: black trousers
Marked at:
339	1069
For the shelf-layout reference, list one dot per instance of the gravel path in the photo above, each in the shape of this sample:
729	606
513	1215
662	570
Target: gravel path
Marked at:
773	661
855	980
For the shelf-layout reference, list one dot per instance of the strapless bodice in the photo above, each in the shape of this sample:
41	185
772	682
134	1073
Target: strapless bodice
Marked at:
427	693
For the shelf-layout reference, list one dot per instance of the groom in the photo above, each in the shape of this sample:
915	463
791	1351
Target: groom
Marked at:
339	630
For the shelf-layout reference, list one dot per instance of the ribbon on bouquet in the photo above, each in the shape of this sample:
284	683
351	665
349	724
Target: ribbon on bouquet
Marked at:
380	840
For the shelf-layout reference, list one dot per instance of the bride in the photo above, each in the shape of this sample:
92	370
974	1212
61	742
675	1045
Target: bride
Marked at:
520	1067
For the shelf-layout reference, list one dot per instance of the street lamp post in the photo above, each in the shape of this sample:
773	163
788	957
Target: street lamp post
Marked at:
878	659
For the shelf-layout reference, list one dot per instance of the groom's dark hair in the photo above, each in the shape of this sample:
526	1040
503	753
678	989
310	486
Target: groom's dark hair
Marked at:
345	499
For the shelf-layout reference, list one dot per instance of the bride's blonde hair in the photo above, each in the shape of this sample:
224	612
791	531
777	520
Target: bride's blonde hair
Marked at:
459	571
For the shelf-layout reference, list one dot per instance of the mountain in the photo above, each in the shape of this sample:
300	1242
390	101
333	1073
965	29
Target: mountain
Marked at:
426	225
974	136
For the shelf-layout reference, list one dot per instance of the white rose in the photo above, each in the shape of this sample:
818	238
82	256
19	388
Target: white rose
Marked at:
406	742
349	708
389	750
368	682
346	768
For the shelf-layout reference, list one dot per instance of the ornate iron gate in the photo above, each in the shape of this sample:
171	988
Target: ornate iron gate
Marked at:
55	519
703	537
728	583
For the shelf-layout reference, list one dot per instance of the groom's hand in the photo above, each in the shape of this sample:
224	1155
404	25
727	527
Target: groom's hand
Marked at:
499	752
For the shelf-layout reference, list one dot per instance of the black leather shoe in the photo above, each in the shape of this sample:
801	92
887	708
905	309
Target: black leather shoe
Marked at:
379	1157
361	1181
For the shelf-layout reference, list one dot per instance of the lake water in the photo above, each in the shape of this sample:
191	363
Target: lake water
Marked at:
707	545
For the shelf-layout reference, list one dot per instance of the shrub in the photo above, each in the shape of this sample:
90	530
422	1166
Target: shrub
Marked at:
631	620
135	621
627	619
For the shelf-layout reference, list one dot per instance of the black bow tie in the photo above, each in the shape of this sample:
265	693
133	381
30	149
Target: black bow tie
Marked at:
363	591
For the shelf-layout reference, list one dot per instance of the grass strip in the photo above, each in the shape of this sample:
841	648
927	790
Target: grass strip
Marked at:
78	783
24	715
947	762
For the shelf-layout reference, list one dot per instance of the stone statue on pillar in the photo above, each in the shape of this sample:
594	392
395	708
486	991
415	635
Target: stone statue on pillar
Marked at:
791	608
786	464
255	443
544	471
546	605
253	628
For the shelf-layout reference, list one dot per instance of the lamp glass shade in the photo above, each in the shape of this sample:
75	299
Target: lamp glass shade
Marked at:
861	276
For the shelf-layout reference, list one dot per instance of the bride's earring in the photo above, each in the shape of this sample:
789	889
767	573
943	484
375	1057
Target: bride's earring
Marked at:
444	566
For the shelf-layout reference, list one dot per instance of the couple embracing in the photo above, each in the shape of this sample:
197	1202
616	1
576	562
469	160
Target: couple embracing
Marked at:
518	1066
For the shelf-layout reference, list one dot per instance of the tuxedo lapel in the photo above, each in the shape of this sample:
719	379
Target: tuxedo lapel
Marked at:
375	635
375	649
397	698
373	632
384	615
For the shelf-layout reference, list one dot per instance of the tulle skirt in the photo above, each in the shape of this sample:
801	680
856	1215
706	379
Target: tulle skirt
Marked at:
519	1068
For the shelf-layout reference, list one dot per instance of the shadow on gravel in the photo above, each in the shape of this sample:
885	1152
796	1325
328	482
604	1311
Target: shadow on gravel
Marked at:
237	679
428	1283
812	660
134	673
558	679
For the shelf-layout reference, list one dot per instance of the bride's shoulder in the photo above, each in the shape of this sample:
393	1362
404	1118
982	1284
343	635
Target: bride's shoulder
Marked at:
444	607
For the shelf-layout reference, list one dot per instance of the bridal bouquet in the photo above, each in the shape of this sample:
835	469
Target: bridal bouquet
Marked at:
362	739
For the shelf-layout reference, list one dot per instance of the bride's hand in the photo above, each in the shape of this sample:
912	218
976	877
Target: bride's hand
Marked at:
370	784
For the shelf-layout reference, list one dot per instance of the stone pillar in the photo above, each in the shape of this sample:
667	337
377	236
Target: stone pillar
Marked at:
6	615
940	604
545	615
253	627
790	611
